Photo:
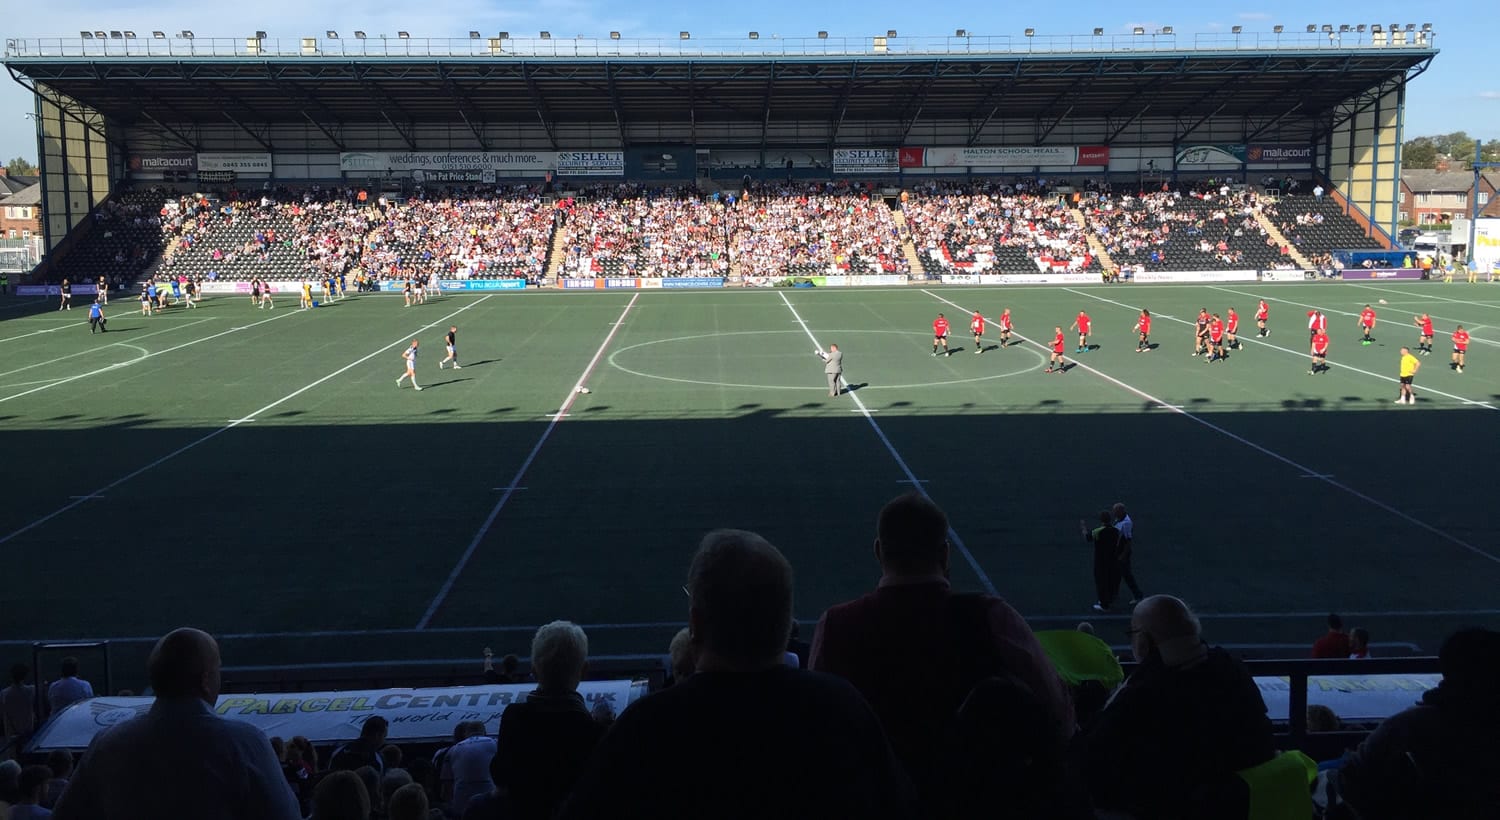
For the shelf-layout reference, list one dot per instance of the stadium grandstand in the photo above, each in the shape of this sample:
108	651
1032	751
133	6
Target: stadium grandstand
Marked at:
550	162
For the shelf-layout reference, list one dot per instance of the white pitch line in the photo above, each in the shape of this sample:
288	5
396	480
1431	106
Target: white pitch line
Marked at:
1432	296
989	586
69	379
1425	389
102	347
515	481
1300	468
1352	313
230	426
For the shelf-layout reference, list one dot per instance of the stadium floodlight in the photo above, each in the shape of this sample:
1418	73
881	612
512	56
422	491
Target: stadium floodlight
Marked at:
890	32
963	32
332	35
546	35
116	35
473	35
185	35
1344	28
129	35
1236	29
1166	29
101	35
1312	28
260	35
1411	26
1375	27
359	35
683	35
1031	32
87	35
1138	30
1098	32
1278	29
1395	27
1327	29
159	35
1427	27
1360	28
614	35
822	35
505	35
405	35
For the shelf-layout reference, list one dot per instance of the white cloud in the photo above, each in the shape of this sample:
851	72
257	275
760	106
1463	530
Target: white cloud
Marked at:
1489	95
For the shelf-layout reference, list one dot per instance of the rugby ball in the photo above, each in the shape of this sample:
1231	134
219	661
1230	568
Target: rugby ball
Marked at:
584	390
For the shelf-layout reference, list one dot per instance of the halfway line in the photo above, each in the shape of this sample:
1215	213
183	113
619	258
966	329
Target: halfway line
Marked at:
984	579
230	426
515	482
1303	470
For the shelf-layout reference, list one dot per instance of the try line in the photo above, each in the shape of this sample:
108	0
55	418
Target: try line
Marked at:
231	425
1302	470
515	482
984	579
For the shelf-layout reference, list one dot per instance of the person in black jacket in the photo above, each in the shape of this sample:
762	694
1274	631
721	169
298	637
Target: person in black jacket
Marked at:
1171	738
1106	541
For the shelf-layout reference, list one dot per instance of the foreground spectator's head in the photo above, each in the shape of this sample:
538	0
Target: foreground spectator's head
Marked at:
341	796
390	756
19	673
370	779
559	656
33	780
740	610
10	776
911	537
1164	626
1320	718
185	664
69	667
60	762
1470	662
392	782
407	803
681	653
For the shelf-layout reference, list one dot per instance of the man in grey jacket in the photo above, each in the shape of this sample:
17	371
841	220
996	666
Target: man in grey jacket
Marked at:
833	367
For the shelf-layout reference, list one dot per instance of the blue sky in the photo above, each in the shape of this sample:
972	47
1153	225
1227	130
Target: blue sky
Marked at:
1458	93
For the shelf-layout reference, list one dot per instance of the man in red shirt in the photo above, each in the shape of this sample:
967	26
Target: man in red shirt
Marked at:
1424	344
1460	347
1143	327
1262	313
1057	363
1335	643
1367	324
1081	324
1232	329
1005	328
1319	351
977	326
940	335
1215	338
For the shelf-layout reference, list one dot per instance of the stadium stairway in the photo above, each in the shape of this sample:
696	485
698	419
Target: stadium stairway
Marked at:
558	254
1095	245
1281	240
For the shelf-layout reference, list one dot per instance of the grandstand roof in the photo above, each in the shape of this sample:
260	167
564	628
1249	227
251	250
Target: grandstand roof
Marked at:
289	85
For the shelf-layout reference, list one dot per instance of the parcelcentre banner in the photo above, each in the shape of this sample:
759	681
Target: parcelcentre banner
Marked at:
1197	276
358	161
1382	273
590	163
238	162
1000	156
866	160
415	715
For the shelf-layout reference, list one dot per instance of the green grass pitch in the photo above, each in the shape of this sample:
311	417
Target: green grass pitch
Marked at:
259	473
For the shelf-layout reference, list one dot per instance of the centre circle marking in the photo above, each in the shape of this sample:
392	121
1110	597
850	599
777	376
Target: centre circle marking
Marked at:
613	362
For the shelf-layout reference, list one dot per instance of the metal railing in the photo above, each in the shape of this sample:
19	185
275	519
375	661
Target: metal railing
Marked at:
762	46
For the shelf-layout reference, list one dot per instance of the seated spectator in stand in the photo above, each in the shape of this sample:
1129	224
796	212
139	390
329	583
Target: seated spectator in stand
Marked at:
946	643
1359	643
1321	718
545	740
179	759
60	762
363	750
465	770
1334	643
745	736
341	796
508	668
1438	759
33	785
69	688
795	645
390	783
1173	735
390	758
10	784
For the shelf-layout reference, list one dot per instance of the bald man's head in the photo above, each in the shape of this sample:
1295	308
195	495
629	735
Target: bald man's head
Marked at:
185	664
1163	621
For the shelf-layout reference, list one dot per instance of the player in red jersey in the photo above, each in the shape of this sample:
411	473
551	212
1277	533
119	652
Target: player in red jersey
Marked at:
1317	322
1005	328
1081	324
1367	324
1215	338
1460	348
1143	327
940	335
1262	313
976	325
1200	332
1232	330
1057	363
1319	352
1424	325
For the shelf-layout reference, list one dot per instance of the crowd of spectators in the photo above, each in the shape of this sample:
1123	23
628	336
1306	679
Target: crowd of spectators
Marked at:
634	230
969	225
1206	223
823	228
915	701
